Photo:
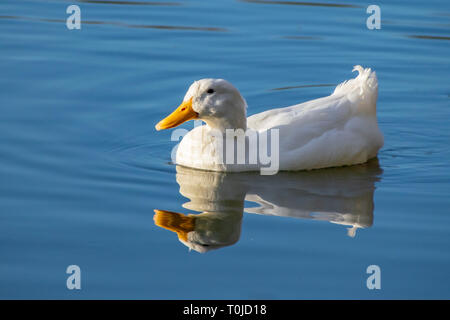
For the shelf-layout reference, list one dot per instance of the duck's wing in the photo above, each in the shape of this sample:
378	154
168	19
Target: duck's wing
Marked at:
354	96
340	129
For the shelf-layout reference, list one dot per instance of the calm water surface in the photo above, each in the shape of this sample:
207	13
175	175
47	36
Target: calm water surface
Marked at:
82	168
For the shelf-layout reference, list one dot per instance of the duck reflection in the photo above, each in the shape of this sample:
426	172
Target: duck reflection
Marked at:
338	195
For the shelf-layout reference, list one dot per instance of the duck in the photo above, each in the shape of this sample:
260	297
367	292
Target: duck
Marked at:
337	130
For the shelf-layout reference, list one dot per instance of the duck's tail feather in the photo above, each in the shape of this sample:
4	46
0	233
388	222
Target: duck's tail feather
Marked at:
363	88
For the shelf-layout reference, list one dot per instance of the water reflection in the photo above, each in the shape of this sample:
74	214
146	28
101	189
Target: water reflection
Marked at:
339	195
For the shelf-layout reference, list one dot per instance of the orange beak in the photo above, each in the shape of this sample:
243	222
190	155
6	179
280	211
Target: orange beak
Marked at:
182	114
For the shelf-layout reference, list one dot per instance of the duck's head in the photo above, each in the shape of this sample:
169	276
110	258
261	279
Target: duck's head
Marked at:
215	101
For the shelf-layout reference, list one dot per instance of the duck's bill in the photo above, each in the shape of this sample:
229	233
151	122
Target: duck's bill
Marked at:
183	113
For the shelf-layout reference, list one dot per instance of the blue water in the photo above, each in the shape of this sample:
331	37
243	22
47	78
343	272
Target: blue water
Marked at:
82	167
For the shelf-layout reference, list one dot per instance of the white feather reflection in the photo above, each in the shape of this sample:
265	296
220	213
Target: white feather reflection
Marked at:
339	195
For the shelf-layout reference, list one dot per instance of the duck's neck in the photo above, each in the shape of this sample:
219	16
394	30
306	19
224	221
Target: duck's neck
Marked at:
222	124
232	115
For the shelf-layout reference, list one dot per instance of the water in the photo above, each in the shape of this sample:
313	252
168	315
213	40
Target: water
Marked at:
82	168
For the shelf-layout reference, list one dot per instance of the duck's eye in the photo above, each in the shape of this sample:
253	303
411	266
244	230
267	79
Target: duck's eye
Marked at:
210	91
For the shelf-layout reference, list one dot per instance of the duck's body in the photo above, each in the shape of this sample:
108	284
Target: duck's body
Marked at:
337	130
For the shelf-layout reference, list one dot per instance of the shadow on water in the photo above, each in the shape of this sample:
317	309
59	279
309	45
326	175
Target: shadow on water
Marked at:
301	38
305	86
132	3
339	195
121	24
301	3
427	37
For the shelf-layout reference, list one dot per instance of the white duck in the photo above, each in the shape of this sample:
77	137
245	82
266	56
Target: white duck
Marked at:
337	130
